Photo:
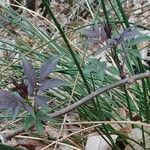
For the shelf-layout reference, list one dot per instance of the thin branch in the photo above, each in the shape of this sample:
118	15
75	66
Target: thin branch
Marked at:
96	93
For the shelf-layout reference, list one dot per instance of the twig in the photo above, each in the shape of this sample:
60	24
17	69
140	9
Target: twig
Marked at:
100	91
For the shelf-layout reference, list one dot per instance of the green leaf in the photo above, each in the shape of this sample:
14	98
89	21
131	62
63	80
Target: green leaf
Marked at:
39	126
113	70
44	117
28	122
95	67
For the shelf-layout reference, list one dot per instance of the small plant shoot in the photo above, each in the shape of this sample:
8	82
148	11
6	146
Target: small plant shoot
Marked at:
29	95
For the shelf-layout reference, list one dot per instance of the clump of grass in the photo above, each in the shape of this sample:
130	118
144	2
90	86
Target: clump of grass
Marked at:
115	56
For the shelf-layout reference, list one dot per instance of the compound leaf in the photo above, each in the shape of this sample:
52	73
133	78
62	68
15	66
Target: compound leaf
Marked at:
52	83
30	75
47	68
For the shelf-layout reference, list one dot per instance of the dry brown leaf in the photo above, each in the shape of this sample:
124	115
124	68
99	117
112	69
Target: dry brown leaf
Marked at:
126	130
30	144
52	132
122	112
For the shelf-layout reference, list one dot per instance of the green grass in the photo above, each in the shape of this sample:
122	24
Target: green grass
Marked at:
69	43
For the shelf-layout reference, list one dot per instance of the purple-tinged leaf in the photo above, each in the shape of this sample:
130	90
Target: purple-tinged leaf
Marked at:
103	34
15	110
11	102
47	68
29	109
92	32
41	101
92	41
30	73
127	34
19	98
5	105
52	83
98	33
6	96
30	88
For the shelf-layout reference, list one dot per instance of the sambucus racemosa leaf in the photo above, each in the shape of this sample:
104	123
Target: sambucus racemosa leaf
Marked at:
30	75
41	101
98	33
10	102
29	109
30	89
52	83
127	34
47	68
15	109
13	102
28	122
39	126
6	96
